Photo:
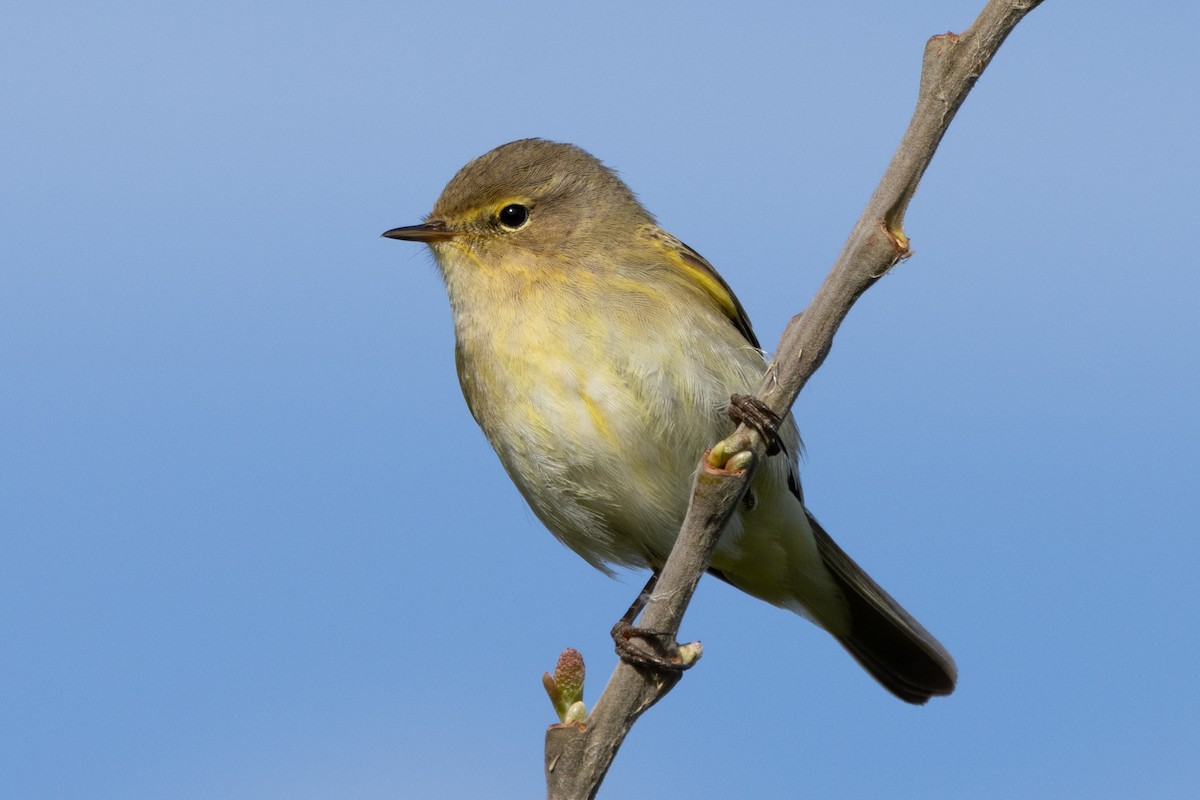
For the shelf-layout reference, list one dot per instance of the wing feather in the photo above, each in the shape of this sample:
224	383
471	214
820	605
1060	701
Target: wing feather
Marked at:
701	273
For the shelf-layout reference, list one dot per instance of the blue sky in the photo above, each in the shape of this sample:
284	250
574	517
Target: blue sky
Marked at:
252	544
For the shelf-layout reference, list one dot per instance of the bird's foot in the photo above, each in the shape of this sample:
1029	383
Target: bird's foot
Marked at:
657	649
653	649
746	409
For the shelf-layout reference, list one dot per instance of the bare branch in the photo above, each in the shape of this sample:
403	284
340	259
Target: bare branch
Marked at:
577	757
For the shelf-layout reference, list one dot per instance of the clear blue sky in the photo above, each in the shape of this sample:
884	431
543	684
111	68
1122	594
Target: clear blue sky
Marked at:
253	545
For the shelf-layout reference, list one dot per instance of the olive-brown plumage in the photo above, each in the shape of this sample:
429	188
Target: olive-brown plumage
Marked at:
598	353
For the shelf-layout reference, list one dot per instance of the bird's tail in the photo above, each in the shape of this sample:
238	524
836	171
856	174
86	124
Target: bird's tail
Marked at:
889	643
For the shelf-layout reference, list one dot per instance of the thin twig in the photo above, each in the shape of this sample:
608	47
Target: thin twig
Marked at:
577	759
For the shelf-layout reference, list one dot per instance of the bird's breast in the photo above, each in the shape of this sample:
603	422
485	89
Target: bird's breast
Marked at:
599	411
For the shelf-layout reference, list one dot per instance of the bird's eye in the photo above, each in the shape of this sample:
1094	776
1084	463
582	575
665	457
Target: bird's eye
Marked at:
513	216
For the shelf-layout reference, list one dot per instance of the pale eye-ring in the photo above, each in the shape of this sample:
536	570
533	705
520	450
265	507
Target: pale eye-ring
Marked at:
513	216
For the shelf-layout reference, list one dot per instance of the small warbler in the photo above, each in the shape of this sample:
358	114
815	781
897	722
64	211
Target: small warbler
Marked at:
599	353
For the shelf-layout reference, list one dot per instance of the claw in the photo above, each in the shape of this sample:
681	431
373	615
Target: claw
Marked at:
749	410
659	651
664	653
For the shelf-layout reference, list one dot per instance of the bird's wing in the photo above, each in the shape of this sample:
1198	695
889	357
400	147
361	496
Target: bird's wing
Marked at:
701	273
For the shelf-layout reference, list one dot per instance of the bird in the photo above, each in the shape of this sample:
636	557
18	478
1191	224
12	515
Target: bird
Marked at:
598	353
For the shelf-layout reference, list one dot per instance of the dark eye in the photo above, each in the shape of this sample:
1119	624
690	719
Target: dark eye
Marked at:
514	216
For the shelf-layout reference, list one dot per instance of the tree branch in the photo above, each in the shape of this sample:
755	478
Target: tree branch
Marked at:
578	756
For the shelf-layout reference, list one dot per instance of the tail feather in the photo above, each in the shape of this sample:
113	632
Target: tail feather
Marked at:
892	646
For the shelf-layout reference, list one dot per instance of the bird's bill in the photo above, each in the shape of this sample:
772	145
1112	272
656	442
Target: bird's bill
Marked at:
432	231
